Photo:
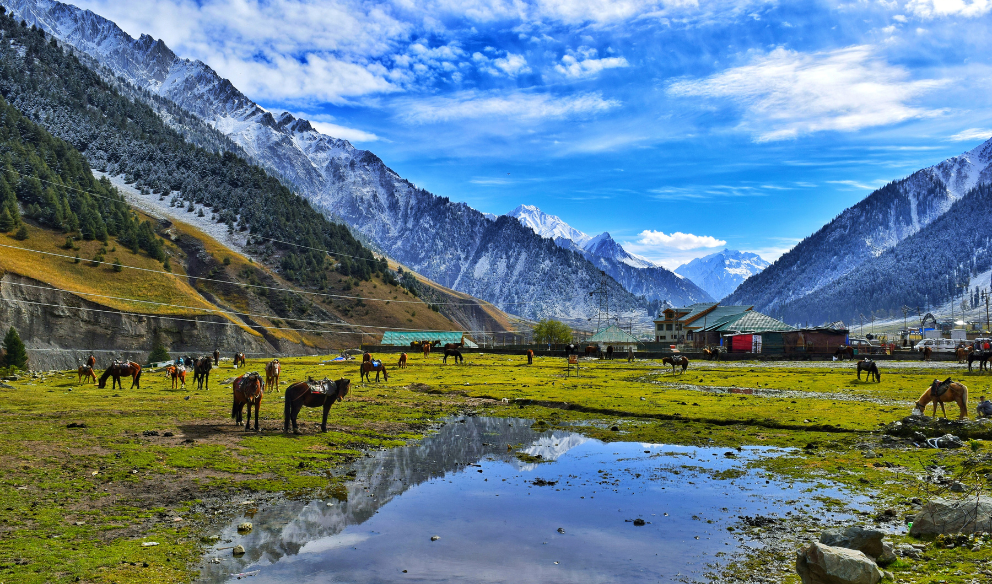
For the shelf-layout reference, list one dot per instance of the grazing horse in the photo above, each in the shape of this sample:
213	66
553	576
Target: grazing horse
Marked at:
453	353
609	352
676	361
272	370
426	347
118	370
591	350
247	391
530	356
178	376
927	353
870	369
239	358
216	358
845	351
402	363
982	357
201	372
946	391
368	367
91	361
312	394
87	372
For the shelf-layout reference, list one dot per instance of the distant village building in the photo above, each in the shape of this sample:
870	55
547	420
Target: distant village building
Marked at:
614	336
679	324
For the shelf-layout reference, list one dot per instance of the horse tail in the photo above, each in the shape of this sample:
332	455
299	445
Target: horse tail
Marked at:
287	406
234	408
137	377
964	399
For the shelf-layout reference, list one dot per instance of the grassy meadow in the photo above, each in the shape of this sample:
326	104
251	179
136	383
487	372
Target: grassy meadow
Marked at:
76	503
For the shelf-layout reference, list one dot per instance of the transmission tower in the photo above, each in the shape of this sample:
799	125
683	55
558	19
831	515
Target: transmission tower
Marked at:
602	295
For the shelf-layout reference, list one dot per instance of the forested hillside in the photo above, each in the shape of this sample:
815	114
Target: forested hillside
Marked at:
120	135
924	269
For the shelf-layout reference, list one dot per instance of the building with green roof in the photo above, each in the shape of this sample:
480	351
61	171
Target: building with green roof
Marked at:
677	324
614	336
404	338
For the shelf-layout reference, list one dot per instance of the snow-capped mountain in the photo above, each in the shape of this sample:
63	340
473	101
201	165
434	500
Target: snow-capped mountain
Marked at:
497	260
722	272
550	226
636	274
866	230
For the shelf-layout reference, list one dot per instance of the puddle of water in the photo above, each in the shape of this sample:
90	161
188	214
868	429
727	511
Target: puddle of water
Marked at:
496	525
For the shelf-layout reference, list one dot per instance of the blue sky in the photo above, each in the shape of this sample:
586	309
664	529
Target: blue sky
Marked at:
679	126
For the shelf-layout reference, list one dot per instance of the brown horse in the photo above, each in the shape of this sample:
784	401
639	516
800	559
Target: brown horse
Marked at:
87	372
591	350
455	353
247	392
711	354
369	366
177	375
91	361
118	370
530	356
216	358
454	345
312	394
239	358
272	370
927	353
676	361
870	369
844	351
426	347
201	372
962	353
953	392
402	363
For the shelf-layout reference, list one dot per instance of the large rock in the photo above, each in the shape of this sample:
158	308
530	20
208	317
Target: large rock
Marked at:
822	564
969	515
858	538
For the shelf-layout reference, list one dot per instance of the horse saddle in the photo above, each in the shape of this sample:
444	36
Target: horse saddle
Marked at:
248	380
322	387
939	388
376	363
867	362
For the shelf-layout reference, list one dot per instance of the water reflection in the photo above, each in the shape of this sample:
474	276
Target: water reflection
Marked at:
495	525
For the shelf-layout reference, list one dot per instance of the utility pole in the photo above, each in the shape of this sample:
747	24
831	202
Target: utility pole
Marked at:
985	296
905	324
602	292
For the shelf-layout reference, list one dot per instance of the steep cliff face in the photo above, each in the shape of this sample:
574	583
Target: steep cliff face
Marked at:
60	329
450	243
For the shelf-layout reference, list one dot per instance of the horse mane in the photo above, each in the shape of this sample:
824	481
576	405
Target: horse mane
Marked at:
106	374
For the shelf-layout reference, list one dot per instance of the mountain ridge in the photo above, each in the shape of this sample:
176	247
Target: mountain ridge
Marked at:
722	272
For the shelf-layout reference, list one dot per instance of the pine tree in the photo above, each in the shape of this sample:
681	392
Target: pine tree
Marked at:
6	221
21	234
158	354
16	355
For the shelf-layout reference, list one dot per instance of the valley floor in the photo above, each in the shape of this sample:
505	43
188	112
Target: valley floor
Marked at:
90	474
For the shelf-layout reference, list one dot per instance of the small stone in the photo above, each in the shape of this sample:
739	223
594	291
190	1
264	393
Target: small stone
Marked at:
435	537
149	543
244	527
957	487
239	550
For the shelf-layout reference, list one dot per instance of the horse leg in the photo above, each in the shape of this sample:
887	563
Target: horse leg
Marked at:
942	410
258	406
297	406
327	408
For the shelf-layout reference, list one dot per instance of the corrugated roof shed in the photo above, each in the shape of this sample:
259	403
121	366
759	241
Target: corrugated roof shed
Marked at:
749	322
720	313
404	338
613	335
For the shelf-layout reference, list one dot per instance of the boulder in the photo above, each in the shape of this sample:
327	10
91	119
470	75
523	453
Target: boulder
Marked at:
822	564
858	538
969	515
888	554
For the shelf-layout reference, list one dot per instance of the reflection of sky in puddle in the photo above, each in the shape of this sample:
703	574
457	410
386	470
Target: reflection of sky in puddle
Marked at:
463	485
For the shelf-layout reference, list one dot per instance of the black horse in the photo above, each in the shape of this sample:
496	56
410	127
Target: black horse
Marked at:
312	394
983	358
201	372
453	353
609	352
870	369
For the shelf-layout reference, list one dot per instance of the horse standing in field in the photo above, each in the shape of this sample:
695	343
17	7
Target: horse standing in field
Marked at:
312	394
272	370
870	369
711	354
453	353
609	352
454	345
962	353
177	375
530	356
426	347
368	367
87	372
402	363
201	372
118	370
927	353
982	357
216	358
676	361
845	351
239	358
247	392
940	392
592	350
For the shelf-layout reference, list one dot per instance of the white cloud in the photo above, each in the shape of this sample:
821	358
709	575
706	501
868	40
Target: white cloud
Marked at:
510	65
576	68
677	240
785	93
936	8
855	184
971	134
518	106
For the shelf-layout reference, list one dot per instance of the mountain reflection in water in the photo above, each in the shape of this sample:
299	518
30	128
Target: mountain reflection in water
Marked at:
495	525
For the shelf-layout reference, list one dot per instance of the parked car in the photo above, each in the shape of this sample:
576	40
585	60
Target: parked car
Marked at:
938	345
865	347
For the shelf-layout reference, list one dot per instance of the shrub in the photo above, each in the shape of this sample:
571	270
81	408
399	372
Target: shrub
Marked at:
21	234
16	355
158	354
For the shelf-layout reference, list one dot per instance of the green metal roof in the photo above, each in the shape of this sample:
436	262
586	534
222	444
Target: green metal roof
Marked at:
720	313
404	338
613	335
693	313
749	322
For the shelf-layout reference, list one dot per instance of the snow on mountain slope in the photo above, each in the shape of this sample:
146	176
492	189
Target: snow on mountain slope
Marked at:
604	246
545	225
722	272
500	261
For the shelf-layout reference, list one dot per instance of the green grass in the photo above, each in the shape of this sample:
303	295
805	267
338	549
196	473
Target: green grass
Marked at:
79	502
